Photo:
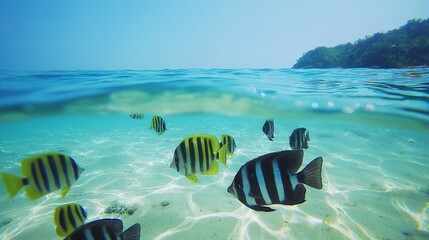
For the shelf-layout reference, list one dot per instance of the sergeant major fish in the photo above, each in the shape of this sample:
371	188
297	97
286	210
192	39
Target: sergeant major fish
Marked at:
229	142
268	129
273	179
106	229
43	174
158	124
197	154
299	139
68	217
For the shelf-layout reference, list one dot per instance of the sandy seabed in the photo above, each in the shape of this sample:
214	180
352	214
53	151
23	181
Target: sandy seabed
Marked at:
375	180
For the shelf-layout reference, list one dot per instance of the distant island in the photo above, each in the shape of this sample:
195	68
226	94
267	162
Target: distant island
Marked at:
405	47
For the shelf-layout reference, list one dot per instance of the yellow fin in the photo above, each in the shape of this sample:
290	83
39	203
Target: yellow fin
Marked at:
214	168
64	191
193	178
60	232
32	192
12	184
222	155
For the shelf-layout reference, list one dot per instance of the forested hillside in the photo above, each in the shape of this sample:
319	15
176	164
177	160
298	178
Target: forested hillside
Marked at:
407	46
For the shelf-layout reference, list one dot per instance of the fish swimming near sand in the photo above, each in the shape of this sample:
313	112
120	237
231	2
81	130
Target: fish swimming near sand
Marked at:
43	174
158	124
137	116
197	154
105	229
268	129
273	179
229	142
68	217
299	139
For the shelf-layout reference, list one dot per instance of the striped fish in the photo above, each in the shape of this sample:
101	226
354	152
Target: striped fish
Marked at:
299	139
68	217
268	129
105	229
272	179
230	144
137	116
197	154
158	124
43	174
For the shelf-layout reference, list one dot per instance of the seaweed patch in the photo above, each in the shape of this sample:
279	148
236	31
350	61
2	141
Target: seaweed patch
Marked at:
120	208
165	204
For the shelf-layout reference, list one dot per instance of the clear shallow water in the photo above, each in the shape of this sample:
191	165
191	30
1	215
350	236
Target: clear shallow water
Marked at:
370	126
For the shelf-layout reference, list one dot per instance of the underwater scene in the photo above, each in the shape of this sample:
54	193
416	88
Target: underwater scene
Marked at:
215	154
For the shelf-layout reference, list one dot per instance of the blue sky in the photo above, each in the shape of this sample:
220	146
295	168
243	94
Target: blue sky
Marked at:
159	34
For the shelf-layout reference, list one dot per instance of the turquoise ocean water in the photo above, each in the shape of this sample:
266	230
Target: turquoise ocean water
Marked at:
371	126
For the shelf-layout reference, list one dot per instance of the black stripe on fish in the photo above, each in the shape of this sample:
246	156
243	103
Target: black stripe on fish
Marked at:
109	234
63	224
184	157
71	217
155	123
54	171
210	156
64	168
200	153
158	124
191	154
239	188
254	184
75	169
103	233
287	185
176	159
44	174
163	126
36	177
230	144
207	155
83	212
80	212
270	182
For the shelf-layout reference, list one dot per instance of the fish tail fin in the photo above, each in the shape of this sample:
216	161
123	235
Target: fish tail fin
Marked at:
12	184
312	174
132	233
222	154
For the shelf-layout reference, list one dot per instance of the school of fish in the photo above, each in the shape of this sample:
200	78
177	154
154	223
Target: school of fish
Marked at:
266	180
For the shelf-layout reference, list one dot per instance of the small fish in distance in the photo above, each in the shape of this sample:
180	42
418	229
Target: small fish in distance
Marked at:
299	139
273	179
230	144
137	116
158	124
268	129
